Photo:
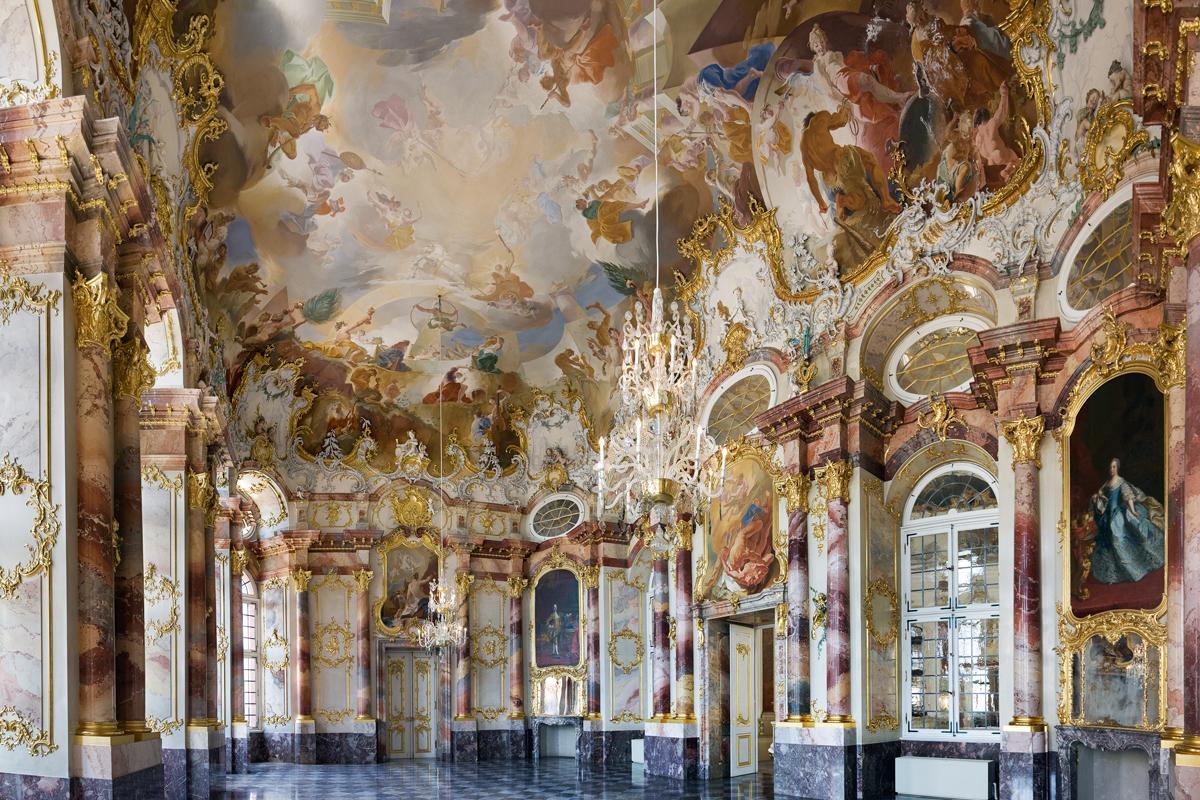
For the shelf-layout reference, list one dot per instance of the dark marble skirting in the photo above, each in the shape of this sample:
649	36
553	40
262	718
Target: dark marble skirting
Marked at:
673	757
311	748
33	787
989	751
345	748
200	772
464	745
175	777
604	749
239	755
504	744
876	769
817	771
1024	776
146	784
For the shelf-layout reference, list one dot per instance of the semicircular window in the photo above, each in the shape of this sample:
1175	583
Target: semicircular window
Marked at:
937	362
1105	262
957	490
734	411
556	517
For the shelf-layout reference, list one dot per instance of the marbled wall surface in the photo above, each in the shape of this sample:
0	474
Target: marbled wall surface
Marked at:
274	641
489	620
626	636
332	620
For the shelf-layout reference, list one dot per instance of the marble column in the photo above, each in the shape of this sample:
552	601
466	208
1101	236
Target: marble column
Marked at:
799	680
1187	753
362	641
132	376
660	609
200	496
462	663
516	648
99	324
464	734
836	478
211	601
305	748
1024	771
591	580
239	751
685	697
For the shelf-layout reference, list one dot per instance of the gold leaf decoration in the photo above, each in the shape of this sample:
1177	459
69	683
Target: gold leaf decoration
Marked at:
158	587
17	730
99	321
44	530
1025	436
18	294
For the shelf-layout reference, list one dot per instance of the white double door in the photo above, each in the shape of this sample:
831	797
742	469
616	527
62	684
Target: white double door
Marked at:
743	700
411	694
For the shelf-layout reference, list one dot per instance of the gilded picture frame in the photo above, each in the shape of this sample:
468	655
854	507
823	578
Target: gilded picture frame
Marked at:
402	540
1139	632
541	677
710	570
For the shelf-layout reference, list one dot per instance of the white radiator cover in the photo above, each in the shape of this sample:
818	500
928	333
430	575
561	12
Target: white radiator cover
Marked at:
953	778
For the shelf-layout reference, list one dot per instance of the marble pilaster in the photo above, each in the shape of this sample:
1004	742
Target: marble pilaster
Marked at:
362	642
200	495
516	647
660	609
591	580
1187	753
238	730
836	479
685	678
798	682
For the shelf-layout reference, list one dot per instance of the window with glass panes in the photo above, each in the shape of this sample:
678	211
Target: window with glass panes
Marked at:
951	606
250	651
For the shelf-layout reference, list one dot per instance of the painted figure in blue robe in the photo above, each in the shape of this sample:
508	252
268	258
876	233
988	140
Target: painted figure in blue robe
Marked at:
1129	531
743	76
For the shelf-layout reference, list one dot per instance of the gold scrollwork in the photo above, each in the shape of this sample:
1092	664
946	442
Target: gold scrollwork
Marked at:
820	614
17	730
333	645
237	561
489	713
18	294
300	579
488	646
275	640
781	621
335	716
156	588
99	320
591	576
1103	166
882	721
276	720
940	418
200	490
517	585
413	510
1025	435
1181	217
153	475
164	726
882	637
626	665
222	643
362	580
627	716
44	529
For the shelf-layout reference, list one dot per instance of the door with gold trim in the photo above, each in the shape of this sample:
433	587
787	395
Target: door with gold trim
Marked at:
743	716
411	691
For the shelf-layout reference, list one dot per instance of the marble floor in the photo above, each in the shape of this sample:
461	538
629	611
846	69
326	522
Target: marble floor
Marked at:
552	779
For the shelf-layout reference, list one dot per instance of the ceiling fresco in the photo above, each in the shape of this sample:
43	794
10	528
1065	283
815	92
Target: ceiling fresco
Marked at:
432	215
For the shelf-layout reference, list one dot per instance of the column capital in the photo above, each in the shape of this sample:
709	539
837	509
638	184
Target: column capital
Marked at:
362	580
1025	435
835	477
794	486
300	578
517	585
99	320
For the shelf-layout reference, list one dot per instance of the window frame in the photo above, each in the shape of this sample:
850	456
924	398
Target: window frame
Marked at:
251	599
951	523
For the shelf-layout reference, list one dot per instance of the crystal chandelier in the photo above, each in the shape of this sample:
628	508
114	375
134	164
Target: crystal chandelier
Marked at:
441	628
658	459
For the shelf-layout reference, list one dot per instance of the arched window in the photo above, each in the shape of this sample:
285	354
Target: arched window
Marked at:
250	649
951	605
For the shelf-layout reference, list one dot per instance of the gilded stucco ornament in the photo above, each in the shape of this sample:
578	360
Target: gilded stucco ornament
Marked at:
1110	344
1170	353
362	580
18	730
517	585
488	646
1024	434
99	321
275	642
156	588
18	294
44	528
835	477
132	372
237	560
1182	215
413	510
940	418
883	635
300	579
630	664
1102	166
794	488
333	645
591	576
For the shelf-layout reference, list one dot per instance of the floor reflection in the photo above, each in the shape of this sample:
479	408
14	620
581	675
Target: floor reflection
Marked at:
551	778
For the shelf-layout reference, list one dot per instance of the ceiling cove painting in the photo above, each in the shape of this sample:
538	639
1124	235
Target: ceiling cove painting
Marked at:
439	208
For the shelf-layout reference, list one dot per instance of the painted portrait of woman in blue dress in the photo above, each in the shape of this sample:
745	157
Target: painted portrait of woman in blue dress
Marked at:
1129	531
1118	526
